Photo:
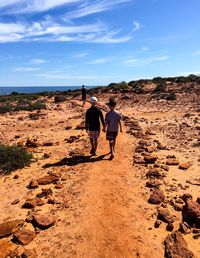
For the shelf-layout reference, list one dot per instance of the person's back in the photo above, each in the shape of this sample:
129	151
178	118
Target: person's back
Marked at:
112	118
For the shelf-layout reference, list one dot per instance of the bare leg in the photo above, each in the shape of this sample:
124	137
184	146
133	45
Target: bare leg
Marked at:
95	145
92	145
111	149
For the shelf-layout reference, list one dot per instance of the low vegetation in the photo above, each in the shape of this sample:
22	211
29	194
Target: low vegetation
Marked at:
12	158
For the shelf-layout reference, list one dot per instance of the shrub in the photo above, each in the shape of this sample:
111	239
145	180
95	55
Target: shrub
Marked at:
59	98
30	107
161	87
5	108
171	96
12	158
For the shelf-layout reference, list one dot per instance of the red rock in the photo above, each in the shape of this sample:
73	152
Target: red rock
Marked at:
170	227
193	181
156	197
25	236
144	143
139	161
8	228
153	183
191	212
16	201
50	179
81	126
172	162
165	167
150	159
154	173
165	215
59	186
68	127
185	165
48	144
176	246
33	184
44	220
157	223
29	254
32	203
7	248
32	143
45	193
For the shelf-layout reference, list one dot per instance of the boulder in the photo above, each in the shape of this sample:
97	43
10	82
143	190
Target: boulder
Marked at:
153	183
44	221
156	197
24	236
29	254
154	173
6	248
176	246
191	213
165	215
150	159
8	228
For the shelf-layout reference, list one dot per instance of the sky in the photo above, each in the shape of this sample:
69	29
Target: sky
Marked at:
96	42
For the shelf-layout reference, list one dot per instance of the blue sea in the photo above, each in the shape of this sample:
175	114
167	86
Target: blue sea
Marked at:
8	90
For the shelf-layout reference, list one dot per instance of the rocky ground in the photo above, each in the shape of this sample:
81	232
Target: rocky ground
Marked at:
144	203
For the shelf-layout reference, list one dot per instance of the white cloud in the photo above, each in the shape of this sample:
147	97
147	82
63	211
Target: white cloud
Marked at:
96	6
65	77
26	69
99	61
136	26
130	61
158	58
197	53
80	55
38	61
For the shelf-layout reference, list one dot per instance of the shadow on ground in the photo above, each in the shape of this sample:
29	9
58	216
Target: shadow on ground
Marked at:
75	160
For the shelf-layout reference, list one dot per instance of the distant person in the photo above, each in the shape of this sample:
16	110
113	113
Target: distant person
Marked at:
84	94
112	123
93	117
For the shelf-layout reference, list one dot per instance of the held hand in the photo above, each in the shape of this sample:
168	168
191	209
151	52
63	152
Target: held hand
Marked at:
104	130
121	130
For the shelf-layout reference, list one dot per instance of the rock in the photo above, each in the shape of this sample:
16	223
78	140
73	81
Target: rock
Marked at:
153	183
16	201
184	166
33	184
198	200
24	236
59	186
186	197
170	227
68	127
44	221
191	213
139	161
50	179
6	248
193	181
32	203
32	143
176	246
150	159
156	197
45	193
48	144
172	162
184	228
16	177
29	254
165	215
154	173
81	126
8	228
144	143
165	167
157	223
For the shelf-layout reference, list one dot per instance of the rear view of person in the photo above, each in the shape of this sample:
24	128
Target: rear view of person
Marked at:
93	117
84	94
112	123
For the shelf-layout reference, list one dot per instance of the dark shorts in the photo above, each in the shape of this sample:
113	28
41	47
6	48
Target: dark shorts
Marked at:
83	98
110	136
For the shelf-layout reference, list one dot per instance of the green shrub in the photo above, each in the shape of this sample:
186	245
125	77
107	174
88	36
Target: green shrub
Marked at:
12	158
5	108
171	96
30	106
59	98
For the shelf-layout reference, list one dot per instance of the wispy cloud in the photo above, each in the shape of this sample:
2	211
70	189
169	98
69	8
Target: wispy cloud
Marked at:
197	53
144	61
95	6
26	69
38	61
99	61
136	26
62	76
80	55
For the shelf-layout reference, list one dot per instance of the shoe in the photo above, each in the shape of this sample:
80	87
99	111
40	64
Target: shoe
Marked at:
92	151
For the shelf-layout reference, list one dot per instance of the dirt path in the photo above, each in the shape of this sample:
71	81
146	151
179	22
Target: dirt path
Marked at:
112	222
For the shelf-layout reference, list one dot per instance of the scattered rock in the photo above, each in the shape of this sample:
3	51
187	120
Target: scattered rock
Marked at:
191	213
45	193
156	197
10	227
193	181
157	223
184	166
172	162
29	254
6	248
186	197
150	159
24	236
32	143
170	227
154	173
153	183
33	184
165	167
47	144
176	246
184	228
50	179
32	203
16	201
165	215
44	221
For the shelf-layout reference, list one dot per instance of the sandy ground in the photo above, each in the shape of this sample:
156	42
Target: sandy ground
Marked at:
102	209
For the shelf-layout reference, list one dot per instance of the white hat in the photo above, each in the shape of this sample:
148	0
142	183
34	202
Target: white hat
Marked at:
93	100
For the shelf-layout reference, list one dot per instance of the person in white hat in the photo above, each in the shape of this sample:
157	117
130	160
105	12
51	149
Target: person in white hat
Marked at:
93	117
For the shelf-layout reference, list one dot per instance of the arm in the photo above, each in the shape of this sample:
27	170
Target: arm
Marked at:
120	126
87	121
102	119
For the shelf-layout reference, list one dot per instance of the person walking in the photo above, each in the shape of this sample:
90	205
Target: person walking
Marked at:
84	94
112	123
93	117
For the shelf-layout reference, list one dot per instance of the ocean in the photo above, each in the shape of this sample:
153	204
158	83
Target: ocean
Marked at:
8	90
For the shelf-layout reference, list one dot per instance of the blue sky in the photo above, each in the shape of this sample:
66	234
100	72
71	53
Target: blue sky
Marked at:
95	42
